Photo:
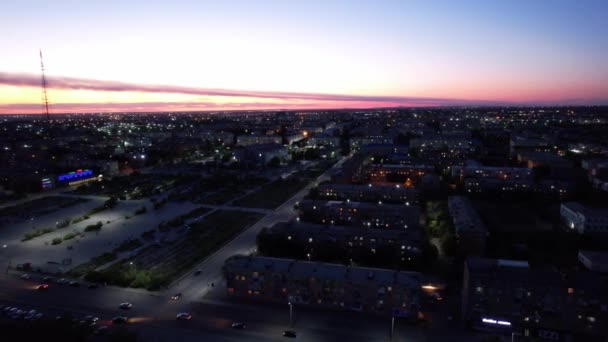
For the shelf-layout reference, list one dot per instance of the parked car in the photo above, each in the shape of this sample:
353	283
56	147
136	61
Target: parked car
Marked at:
183	316
289	333
239	325
25	276
120	320
101	330
125	306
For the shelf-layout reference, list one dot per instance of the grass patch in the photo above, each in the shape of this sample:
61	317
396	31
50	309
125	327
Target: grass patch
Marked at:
181	219
70	236
128	245
153	270
273	194
92	264
80	219
36	233
56	241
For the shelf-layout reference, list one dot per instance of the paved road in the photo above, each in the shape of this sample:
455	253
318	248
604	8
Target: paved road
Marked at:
196	287
153	315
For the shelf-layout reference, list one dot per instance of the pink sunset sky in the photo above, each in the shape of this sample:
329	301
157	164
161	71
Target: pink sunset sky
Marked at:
195	55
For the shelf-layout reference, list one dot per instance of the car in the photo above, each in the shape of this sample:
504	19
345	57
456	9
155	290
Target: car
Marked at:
25	276
101	330
30	315
125	306
91	319
47	279
289	333
183	316
74	284
197	272
239	325
62	281
176	296
92	286
42	287
436	296
120	320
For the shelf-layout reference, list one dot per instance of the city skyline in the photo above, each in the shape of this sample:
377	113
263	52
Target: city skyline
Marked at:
114	57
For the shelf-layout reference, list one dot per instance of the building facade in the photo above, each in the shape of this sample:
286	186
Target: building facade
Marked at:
371	290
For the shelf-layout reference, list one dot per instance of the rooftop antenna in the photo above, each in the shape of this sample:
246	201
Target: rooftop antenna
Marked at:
45	99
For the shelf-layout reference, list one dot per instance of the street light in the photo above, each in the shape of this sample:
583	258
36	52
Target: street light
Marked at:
290	314
8	265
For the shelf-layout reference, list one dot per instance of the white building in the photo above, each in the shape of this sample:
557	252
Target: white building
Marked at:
594	261
584	219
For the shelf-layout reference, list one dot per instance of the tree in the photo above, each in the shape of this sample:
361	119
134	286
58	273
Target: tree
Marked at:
345	142
274	162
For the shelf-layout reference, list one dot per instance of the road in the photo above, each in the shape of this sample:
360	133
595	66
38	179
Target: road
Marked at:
153	315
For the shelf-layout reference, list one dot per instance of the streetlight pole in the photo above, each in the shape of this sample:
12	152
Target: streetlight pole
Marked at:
290	314
392	326
8	265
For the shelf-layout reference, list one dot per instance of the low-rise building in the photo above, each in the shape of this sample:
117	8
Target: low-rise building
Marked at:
405	244
475	170
507	296
251	139
584	219
261	154
368	193
595	261
535	159
408	175
332	286
471	233
362	214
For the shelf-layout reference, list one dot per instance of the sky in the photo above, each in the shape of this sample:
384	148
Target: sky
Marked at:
176	55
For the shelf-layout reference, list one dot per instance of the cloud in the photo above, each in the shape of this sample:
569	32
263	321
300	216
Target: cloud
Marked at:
20	108
29	80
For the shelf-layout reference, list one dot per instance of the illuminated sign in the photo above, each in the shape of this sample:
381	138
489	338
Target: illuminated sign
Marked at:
493	321
75	175
47	183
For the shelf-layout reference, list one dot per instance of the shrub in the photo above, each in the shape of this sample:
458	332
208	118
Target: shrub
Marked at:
70	236
64	223
56	241
140	211
93	227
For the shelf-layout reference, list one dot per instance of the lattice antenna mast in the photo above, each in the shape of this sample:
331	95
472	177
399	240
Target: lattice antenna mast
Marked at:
45	98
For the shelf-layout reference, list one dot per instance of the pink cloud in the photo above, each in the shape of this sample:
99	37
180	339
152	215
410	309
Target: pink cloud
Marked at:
29	80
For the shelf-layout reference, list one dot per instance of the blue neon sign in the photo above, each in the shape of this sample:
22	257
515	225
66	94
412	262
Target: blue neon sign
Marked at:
76	175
